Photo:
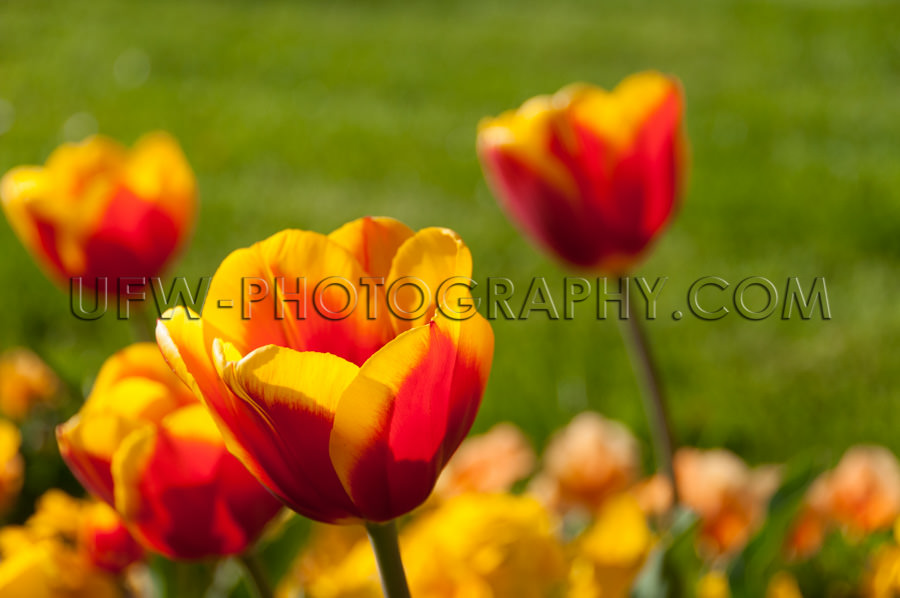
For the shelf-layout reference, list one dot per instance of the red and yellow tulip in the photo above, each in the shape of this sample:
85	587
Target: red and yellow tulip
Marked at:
97	209
344	418
592	176
146	446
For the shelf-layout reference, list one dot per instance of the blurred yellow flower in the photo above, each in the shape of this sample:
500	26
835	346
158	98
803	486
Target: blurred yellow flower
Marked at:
588	461
883	579
783	585
491	462
47	558
610	553
25	381
472	546
713	585
11	465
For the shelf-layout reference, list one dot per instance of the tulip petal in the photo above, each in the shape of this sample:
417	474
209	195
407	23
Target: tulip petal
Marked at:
179	333
141	362
406	412
87	444
373	241
186	496
288	417
431	256
158	172
259	319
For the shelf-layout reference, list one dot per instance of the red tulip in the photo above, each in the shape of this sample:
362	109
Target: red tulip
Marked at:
344	419
593	176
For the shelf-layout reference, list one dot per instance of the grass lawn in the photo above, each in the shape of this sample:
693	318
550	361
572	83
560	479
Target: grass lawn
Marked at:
311	116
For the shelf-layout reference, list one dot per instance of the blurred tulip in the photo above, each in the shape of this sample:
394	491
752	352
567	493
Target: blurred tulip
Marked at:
588	461
491	462
654	495
609	554
11	465
47	557
147	447
863	491
860	495
477	545
349	417
730	498
97	209
592	176
25	381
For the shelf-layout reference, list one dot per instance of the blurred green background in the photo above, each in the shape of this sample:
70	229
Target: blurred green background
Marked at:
311	116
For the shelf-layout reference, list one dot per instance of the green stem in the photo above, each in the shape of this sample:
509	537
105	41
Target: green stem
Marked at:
651	390
383	537
257	575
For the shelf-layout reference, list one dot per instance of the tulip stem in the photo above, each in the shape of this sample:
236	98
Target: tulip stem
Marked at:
257	575
651	390
383	537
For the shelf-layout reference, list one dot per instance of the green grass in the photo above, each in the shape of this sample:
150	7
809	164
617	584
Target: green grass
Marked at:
312	116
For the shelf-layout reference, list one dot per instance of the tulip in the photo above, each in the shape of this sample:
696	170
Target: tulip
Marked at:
97	209
592	176
588	461
730	498
345	418
143	444
861	495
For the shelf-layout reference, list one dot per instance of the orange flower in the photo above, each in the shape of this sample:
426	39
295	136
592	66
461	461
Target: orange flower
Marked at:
593	176
492	462
146	446
97	209
25	381
588	461
861	494
730	498
345	414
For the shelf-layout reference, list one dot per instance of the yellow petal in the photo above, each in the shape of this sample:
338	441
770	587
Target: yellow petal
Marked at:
157	171
425	261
